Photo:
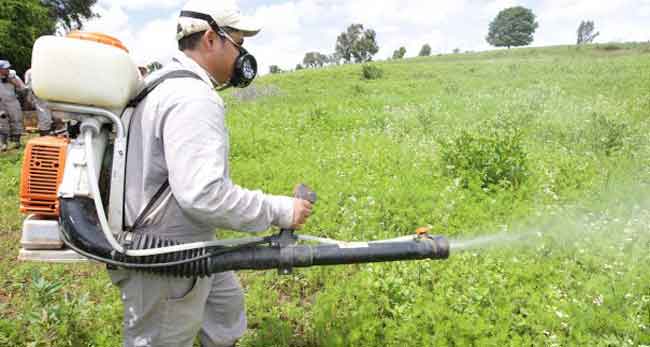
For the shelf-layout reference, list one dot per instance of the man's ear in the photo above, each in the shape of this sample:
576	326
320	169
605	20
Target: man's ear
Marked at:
210	38
207	39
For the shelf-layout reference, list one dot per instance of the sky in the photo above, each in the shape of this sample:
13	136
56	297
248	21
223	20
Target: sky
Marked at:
293	28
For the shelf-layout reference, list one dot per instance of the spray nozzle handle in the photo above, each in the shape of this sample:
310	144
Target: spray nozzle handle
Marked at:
301	191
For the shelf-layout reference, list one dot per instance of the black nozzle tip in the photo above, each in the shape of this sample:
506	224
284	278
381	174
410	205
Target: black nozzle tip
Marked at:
441	247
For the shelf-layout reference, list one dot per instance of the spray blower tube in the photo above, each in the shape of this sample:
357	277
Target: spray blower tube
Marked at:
82	232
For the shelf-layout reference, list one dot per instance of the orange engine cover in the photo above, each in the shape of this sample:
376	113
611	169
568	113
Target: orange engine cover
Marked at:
43	165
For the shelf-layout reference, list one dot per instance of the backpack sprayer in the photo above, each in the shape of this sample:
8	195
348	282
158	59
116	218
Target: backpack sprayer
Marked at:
69	183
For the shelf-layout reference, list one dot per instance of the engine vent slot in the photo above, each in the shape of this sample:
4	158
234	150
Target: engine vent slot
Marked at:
43	165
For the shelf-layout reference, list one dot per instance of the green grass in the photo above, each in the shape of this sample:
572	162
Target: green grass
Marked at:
550	142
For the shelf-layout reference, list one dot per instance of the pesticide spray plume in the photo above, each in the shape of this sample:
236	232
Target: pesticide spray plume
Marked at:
495	240
562	230
613	220
515	237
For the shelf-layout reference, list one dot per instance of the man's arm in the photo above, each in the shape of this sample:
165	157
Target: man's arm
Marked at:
16	81
195	142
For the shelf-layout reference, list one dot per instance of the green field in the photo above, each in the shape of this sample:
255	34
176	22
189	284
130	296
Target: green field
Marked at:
547	148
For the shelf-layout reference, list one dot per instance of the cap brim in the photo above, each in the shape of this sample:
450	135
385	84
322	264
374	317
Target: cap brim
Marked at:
247	26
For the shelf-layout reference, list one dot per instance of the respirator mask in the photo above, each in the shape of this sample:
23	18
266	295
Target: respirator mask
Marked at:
245	69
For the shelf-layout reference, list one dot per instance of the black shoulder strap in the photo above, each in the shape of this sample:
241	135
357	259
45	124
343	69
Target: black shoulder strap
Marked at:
134	103
151	86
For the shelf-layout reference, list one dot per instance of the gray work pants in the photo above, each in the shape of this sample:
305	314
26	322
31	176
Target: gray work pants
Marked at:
43	113
12	123
170	312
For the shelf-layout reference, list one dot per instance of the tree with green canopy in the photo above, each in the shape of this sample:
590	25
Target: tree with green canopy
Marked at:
23	21
334	59
314	60
586	32
154	66
357	43
425	51
399	53
70	14
512	27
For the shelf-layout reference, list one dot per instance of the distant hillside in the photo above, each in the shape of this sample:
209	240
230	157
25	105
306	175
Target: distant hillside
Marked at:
533	161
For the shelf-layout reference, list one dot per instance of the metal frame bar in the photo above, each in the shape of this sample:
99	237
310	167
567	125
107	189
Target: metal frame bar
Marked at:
118	171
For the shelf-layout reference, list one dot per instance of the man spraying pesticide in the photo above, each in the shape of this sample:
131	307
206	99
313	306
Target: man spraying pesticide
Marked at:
179	136
154	155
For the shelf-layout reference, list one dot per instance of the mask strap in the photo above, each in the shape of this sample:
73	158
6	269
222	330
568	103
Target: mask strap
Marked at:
202	16
215	27
224	87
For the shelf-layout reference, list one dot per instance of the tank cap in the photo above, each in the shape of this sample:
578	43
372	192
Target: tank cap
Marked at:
98	37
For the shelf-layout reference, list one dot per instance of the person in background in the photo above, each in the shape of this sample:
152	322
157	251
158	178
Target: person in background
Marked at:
11	124
45	124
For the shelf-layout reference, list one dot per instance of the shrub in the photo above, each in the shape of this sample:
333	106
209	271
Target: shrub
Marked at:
607	135
358	89
491	155
610	47
51	317
371	72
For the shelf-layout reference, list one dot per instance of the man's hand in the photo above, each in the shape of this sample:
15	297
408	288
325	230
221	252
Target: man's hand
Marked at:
15	80
301	211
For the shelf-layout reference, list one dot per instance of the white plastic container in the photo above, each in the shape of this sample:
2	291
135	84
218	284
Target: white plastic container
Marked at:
84	72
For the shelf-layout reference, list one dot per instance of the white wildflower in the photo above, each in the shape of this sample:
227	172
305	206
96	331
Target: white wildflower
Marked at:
599	300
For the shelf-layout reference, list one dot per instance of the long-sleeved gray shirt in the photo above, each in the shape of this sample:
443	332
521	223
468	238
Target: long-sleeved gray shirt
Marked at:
178	133
9	89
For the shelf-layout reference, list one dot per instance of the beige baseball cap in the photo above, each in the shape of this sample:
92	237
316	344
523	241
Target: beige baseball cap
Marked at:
225	13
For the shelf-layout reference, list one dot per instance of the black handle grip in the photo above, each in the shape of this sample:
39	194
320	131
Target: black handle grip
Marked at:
305	193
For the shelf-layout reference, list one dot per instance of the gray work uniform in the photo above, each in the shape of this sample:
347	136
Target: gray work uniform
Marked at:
12	124
42	110
178	133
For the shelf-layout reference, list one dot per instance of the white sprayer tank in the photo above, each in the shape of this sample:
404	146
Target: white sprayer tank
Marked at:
85	69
